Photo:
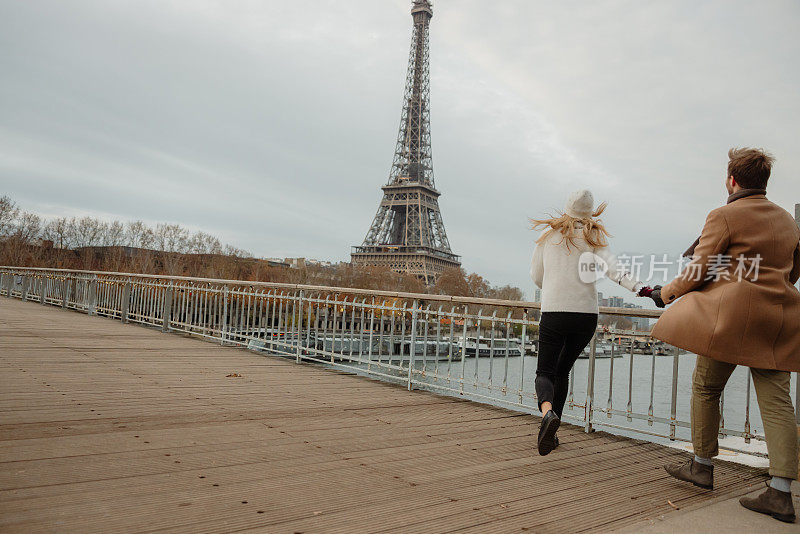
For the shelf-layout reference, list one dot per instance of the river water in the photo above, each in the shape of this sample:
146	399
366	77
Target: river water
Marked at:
500	371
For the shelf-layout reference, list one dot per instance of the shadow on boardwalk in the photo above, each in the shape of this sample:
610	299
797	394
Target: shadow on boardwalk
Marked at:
112	428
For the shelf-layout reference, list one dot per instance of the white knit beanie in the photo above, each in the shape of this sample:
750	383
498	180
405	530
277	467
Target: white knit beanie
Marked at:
580	204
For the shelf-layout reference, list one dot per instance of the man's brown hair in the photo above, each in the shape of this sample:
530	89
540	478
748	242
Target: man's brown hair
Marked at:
750	167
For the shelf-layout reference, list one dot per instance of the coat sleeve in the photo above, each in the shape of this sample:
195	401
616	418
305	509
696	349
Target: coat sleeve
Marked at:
714	241
537	265
795	274
616	273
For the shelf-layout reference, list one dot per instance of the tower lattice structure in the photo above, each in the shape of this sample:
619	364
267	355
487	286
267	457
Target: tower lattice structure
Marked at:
407	233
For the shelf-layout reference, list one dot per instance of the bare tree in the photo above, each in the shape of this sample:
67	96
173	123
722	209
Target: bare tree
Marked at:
114	235
88	231
139	235
236	252
506	293
27	227
478	286
8	214
453	281
177	252
58	231
203	243
171	238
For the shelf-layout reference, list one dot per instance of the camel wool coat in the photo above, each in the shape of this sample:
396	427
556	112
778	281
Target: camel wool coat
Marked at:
729	314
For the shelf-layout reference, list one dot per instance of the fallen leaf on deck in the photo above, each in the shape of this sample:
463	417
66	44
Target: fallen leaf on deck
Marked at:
233	375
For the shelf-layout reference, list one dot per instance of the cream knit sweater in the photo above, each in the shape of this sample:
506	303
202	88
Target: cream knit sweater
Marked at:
556	270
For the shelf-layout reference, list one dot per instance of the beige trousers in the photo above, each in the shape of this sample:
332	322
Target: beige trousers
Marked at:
774	402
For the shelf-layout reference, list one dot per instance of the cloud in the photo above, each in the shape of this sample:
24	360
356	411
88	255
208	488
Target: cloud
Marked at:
271	124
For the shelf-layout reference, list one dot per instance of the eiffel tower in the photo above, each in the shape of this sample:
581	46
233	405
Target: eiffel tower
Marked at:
407	234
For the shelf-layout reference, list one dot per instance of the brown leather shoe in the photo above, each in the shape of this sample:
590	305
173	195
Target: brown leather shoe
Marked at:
772	502
698	474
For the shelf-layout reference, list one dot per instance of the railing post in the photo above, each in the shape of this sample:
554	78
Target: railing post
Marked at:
673	412
43	290
224	329
522	355
25	281
651	409
126	302
413	347
65	292
300	324
167	309
464	351
93	296
9	281
590	386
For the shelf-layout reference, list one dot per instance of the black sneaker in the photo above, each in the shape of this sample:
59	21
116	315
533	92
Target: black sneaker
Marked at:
547	433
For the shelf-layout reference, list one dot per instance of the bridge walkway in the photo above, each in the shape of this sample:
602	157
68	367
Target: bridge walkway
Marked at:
106	427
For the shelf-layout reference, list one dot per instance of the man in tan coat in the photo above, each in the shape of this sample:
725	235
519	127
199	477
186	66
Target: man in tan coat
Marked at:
738	306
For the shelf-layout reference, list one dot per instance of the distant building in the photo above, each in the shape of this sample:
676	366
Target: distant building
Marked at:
299	263
276	262
537	295
639	323
295	263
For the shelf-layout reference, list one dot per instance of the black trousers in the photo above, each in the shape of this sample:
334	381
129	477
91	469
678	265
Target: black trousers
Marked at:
562	337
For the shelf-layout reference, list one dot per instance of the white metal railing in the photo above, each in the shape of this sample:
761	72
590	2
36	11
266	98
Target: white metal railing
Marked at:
481	349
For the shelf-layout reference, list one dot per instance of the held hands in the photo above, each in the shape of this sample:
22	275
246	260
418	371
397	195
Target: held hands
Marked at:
654	293
656	296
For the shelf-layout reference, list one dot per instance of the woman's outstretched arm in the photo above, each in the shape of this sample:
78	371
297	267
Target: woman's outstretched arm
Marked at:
617	273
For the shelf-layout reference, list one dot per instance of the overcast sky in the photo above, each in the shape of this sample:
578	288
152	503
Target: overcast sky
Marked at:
271	123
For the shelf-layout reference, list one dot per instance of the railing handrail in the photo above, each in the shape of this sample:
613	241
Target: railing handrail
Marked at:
606	310
366	331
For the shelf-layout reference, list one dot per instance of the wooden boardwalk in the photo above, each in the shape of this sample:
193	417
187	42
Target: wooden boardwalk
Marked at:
110	428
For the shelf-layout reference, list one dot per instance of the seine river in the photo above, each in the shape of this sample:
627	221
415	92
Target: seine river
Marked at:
735	398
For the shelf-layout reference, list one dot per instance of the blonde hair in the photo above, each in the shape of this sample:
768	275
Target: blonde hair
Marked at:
593	230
